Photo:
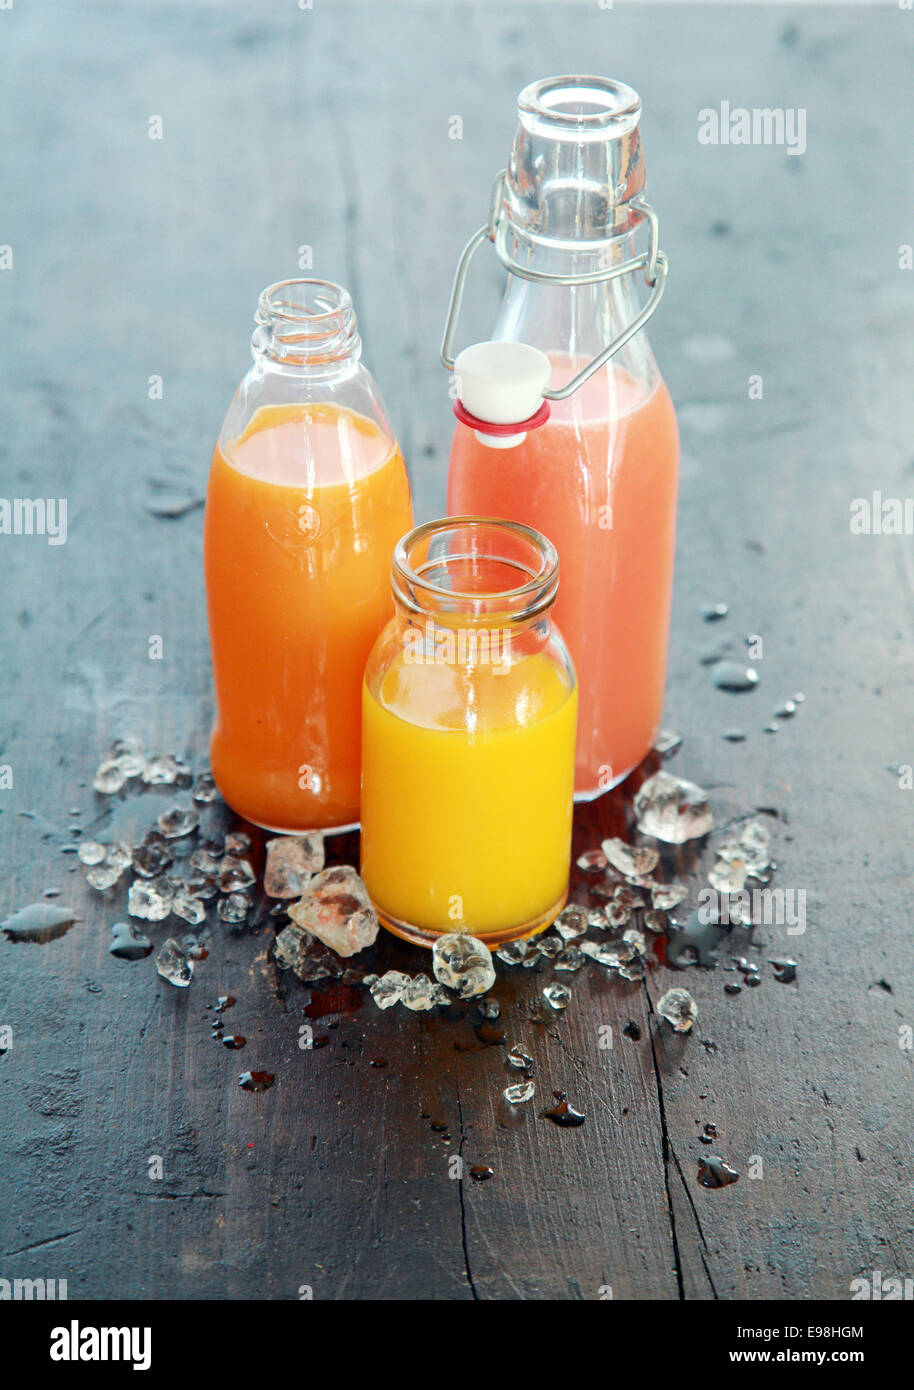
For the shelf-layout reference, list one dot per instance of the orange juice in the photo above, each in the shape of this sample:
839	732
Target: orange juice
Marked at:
468	828
600	480
303	511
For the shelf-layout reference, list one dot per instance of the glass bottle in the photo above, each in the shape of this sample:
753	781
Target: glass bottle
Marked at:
468	719
308	495
596	467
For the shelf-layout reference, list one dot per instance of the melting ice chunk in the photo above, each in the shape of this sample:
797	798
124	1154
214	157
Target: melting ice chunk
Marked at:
388	989
150	899
174	964
177	822
679	1009
520	1093
463	963
671	809
337	910
630	859
292	860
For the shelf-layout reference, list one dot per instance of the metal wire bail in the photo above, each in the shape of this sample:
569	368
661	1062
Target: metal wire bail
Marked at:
653	261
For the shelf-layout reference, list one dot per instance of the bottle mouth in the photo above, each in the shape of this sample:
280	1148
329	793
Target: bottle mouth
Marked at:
305	321
475	566
579	107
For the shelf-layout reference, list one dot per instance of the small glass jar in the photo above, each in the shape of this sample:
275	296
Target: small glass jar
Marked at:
469	712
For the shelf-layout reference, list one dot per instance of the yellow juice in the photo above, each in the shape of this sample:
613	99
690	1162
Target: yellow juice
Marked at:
467	784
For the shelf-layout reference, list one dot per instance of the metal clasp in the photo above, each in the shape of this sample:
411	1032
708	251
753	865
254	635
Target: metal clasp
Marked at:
653	260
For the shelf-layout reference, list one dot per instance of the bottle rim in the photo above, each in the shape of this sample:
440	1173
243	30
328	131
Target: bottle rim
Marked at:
579	105
510	544
305	321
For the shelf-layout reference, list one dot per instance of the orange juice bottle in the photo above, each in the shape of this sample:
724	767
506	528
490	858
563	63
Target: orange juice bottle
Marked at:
469	713
565	423
308	495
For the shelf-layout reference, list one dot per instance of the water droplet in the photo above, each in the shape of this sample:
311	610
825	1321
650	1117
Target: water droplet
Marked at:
714	1172
38	923
713	612
129	944
481	1173
734	676
563	1114
256	1080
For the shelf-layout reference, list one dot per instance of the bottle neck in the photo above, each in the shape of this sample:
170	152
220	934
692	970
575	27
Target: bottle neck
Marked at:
571	323
306	327
474	572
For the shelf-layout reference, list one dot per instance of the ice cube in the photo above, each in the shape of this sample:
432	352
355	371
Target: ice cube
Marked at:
610	956
559	996
592	861
235	875
165	771
205	789
150	899
129	755
301	952
571	958
571	922
463	963
152	857
388	990
103	876
234	907
109	777
237	843
190	909
679	1009
421	994
204	860
119	857
666	896
520	1093
174	964
666	742
336	908
177	822
631	860
292	860
91	852
671	809
512	952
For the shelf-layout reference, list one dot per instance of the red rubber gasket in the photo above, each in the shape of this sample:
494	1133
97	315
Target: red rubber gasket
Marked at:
487	427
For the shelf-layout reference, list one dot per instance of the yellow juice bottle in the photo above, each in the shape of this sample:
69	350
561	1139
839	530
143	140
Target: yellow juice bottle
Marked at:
469	710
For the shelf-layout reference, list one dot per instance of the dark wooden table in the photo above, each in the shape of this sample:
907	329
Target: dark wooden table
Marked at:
135	258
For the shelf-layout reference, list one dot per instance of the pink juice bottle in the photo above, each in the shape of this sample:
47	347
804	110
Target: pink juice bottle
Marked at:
565	423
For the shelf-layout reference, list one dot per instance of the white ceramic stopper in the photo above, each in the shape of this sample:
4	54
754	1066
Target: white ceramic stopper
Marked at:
502	383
